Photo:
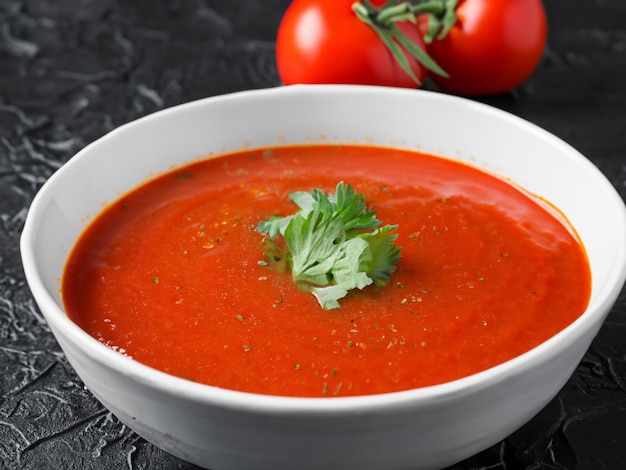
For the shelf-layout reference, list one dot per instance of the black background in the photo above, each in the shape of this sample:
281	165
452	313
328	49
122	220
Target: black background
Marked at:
72	70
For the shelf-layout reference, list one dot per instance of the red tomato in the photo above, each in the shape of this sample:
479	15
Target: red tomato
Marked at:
323	41
494	46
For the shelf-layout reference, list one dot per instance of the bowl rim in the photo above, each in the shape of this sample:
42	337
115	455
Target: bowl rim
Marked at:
260	403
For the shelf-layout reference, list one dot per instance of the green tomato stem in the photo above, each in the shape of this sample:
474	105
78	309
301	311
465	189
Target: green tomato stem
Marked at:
383	20
388	14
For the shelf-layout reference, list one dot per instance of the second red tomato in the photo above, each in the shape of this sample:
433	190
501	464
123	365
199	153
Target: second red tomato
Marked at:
494	46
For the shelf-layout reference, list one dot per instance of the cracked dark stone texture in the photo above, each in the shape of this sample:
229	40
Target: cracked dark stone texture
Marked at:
72	70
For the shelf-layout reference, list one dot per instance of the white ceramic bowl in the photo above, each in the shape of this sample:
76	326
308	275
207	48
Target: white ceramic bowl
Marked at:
419	429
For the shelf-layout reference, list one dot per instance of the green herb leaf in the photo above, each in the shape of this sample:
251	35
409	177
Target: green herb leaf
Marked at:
334	244
385	255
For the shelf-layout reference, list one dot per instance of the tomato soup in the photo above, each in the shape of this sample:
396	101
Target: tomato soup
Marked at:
172	275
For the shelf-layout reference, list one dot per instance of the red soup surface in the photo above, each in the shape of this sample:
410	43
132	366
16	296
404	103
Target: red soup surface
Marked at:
170	275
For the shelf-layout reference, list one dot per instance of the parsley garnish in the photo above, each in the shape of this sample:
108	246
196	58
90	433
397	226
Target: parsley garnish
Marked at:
334	244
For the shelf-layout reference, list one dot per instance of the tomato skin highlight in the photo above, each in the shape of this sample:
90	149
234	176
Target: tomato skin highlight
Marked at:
494	47
323	41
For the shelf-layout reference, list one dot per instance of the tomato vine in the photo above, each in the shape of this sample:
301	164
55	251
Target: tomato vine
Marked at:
441	16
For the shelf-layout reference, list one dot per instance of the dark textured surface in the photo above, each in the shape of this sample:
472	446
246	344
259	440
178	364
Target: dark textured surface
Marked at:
71	70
